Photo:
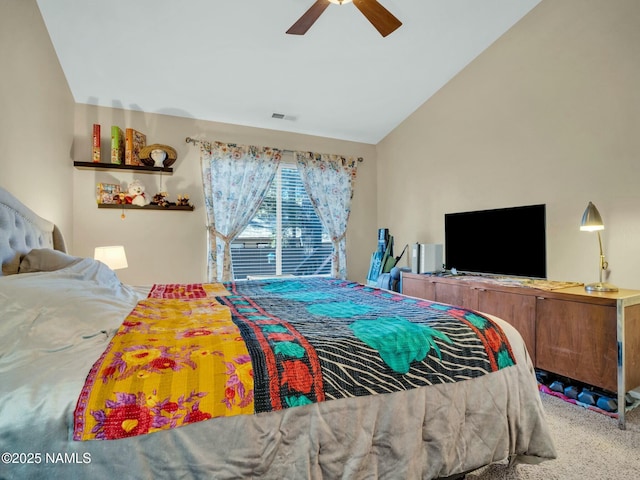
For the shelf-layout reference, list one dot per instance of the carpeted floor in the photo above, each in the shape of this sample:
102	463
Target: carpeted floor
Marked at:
590	446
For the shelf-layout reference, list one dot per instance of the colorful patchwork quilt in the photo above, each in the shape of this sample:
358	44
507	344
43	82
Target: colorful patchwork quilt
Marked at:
194	352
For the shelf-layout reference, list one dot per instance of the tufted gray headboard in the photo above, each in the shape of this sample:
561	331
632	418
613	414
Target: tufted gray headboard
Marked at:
22	230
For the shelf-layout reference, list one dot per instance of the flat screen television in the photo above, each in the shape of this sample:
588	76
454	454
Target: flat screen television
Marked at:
503	241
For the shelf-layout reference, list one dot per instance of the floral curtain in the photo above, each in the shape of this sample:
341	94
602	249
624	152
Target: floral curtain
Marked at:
235	180
328	180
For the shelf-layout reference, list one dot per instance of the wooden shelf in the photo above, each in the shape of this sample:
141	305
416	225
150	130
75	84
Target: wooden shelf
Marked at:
186	208
116	166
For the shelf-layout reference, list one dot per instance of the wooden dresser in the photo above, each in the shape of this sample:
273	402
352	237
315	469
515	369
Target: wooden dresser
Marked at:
587	336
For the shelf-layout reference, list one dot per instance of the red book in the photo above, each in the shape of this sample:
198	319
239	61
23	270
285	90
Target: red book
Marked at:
96	143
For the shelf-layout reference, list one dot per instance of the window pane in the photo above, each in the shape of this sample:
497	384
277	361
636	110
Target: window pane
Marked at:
285	236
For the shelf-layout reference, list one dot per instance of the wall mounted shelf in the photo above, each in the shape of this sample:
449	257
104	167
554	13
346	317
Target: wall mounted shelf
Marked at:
116	166
186	208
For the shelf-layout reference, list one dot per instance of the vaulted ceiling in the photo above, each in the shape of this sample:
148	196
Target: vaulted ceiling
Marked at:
232	62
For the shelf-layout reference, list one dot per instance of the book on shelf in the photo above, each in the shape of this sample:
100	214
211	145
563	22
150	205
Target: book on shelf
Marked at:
95	153
134	142
117	145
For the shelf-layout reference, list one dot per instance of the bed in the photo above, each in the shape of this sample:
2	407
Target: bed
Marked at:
419	414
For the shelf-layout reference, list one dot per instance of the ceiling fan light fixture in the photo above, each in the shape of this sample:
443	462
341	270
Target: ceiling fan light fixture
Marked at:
340	2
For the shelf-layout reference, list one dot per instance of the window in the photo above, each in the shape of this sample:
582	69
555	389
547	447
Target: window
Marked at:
285	237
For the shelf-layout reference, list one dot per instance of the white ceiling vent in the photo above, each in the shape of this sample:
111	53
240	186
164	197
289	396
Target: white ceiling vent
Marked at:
282	116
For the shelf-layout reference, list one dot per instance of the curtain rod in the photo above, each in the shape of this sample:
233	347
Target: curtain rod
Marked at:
195	141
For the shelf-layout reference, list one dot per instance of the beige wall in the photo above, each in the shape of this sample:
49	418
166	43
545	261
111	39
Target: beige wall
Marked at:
549	114
36	115
170	246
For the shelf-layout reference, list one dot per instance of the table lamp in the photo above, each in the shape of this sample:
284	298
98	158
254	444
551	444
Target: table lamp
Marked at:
592	222
112	256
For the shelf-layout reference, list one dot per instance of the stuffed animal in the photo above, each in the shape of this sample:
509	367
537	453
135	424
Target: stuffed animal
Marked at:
183	201
136	194
161	199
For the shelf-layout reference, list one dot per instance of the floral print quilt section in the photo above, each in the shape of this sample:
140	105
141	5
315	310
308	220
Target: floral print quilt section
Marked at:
172	362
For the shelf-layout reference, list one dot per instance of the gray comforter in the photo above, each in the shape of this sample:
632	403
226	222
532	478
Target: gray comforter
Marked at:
54	325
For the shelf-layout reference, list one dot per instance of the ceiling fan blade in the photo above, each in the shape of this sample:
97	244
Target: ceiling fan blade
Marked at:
380	17
310	16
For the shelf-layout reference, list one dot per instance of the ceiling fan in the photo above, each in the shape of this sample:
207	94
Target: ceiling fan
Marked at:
379	16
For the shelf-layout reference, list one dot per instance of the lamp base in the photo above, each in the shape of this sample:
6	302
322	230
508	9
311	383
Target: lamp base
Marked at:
600	287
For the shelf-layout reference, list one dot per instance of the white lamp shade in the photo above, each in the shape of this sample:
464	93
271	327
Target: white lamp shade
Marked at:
113	256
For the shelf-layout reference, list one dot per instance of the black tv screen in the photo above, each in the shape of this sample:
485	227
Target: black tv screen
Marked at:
504	241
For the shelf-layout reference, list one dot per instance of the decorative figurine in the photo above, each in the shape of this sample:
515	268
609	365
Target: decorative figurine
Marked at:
136	195
158	155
